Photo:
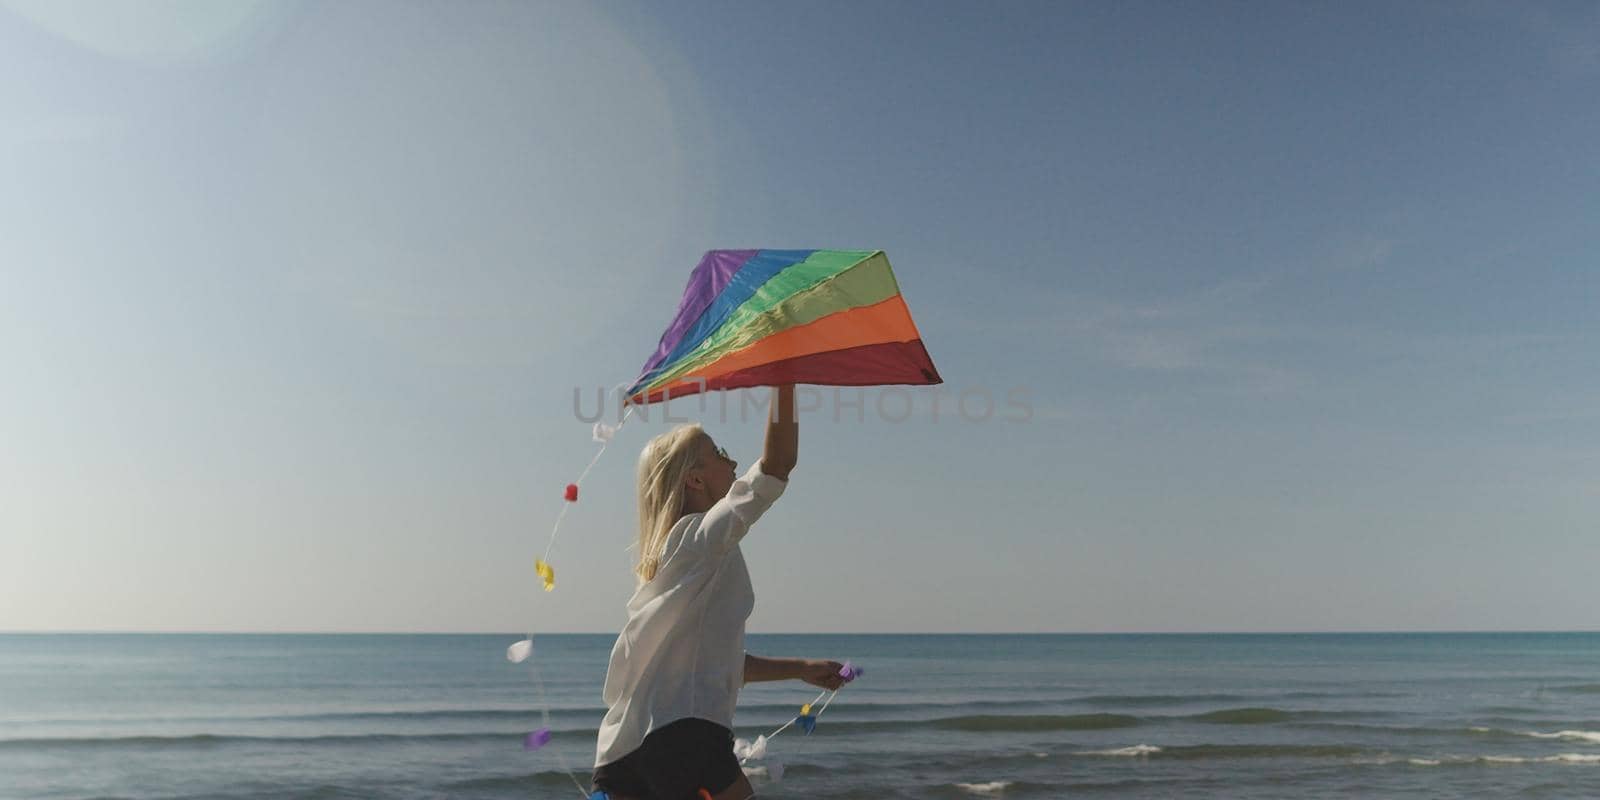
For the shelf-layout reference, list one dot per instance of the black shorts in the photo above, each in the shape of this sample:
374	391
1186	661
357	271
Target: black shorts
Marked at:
674	763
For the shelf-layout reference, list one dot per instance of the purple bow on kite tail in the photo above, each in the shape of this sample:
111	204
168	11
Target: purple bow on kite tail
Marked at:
536	740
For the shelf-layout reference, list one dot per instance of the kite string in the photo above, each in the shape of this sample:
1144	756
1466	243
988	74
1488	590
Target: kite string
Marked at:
565	507
825	705
544	711
786	725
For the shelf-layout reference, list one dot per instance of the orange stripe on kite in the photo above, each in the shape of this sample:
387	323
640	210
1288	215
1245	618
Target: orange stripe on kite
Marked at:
903	363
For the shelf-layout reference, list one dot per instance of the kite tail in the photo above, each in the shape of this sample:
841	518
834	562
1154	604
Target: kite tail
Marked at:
603	434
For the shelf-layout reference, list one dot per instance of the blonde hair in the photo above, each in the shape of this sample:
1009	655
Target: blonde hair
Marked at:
662	466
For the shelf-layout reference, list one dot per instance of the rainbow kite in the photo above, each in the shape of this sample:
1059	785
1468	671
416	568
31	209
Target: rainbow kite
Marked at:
767	317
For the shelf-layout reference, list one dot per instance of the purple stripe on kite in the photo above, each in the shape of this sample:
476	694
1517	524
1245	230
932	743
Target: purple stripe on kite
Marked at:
707	281
741	287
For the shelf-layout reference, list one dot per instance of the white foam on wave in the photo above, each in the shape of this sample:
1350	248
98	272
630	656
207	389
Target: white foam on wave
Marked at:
1368	762
1417	761
1564	758
1592	737
992	787
1136	750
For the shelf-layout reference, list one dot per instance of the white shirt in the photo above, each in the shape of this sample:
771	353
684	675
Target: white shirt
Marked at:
682	652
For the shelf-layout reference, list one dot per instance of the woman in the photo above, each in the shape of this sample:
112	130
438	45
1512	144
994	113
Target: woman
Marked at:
678	665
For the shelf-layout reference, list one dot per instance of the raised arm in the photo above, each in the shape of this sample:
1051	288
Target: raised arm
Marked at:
783	434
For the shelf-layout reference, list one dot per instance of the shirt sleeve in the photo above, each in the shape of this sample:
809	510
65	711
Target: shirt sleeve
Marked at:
726	523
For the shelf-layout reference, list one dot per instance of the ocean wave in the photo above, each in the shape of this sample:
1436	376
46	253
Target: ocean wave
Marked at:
1025	723
977	723
1480	760
1198	752
415	715
1263	715
1307	695
966	790
1592	737
1532	723
430	715
992	787
1141	700
1510	710
1577	688
855	718
544	779
327	791
194	740
383	715
1482	732
1244	716
987	723
1562	758
1146	700
943	790
333	792
968	724
1356	728
1134	751
209	740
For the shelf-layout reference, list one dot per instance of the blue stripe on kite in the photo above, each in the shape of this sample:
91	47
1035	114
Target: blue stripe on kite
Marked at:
750	277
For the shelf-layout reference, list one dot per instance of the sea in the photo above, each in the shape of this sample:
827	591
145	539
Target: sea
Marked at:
934	716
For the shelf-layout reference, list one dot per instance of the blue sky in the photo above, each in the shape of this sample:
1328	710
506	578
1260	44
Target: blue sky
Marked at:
1300	298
